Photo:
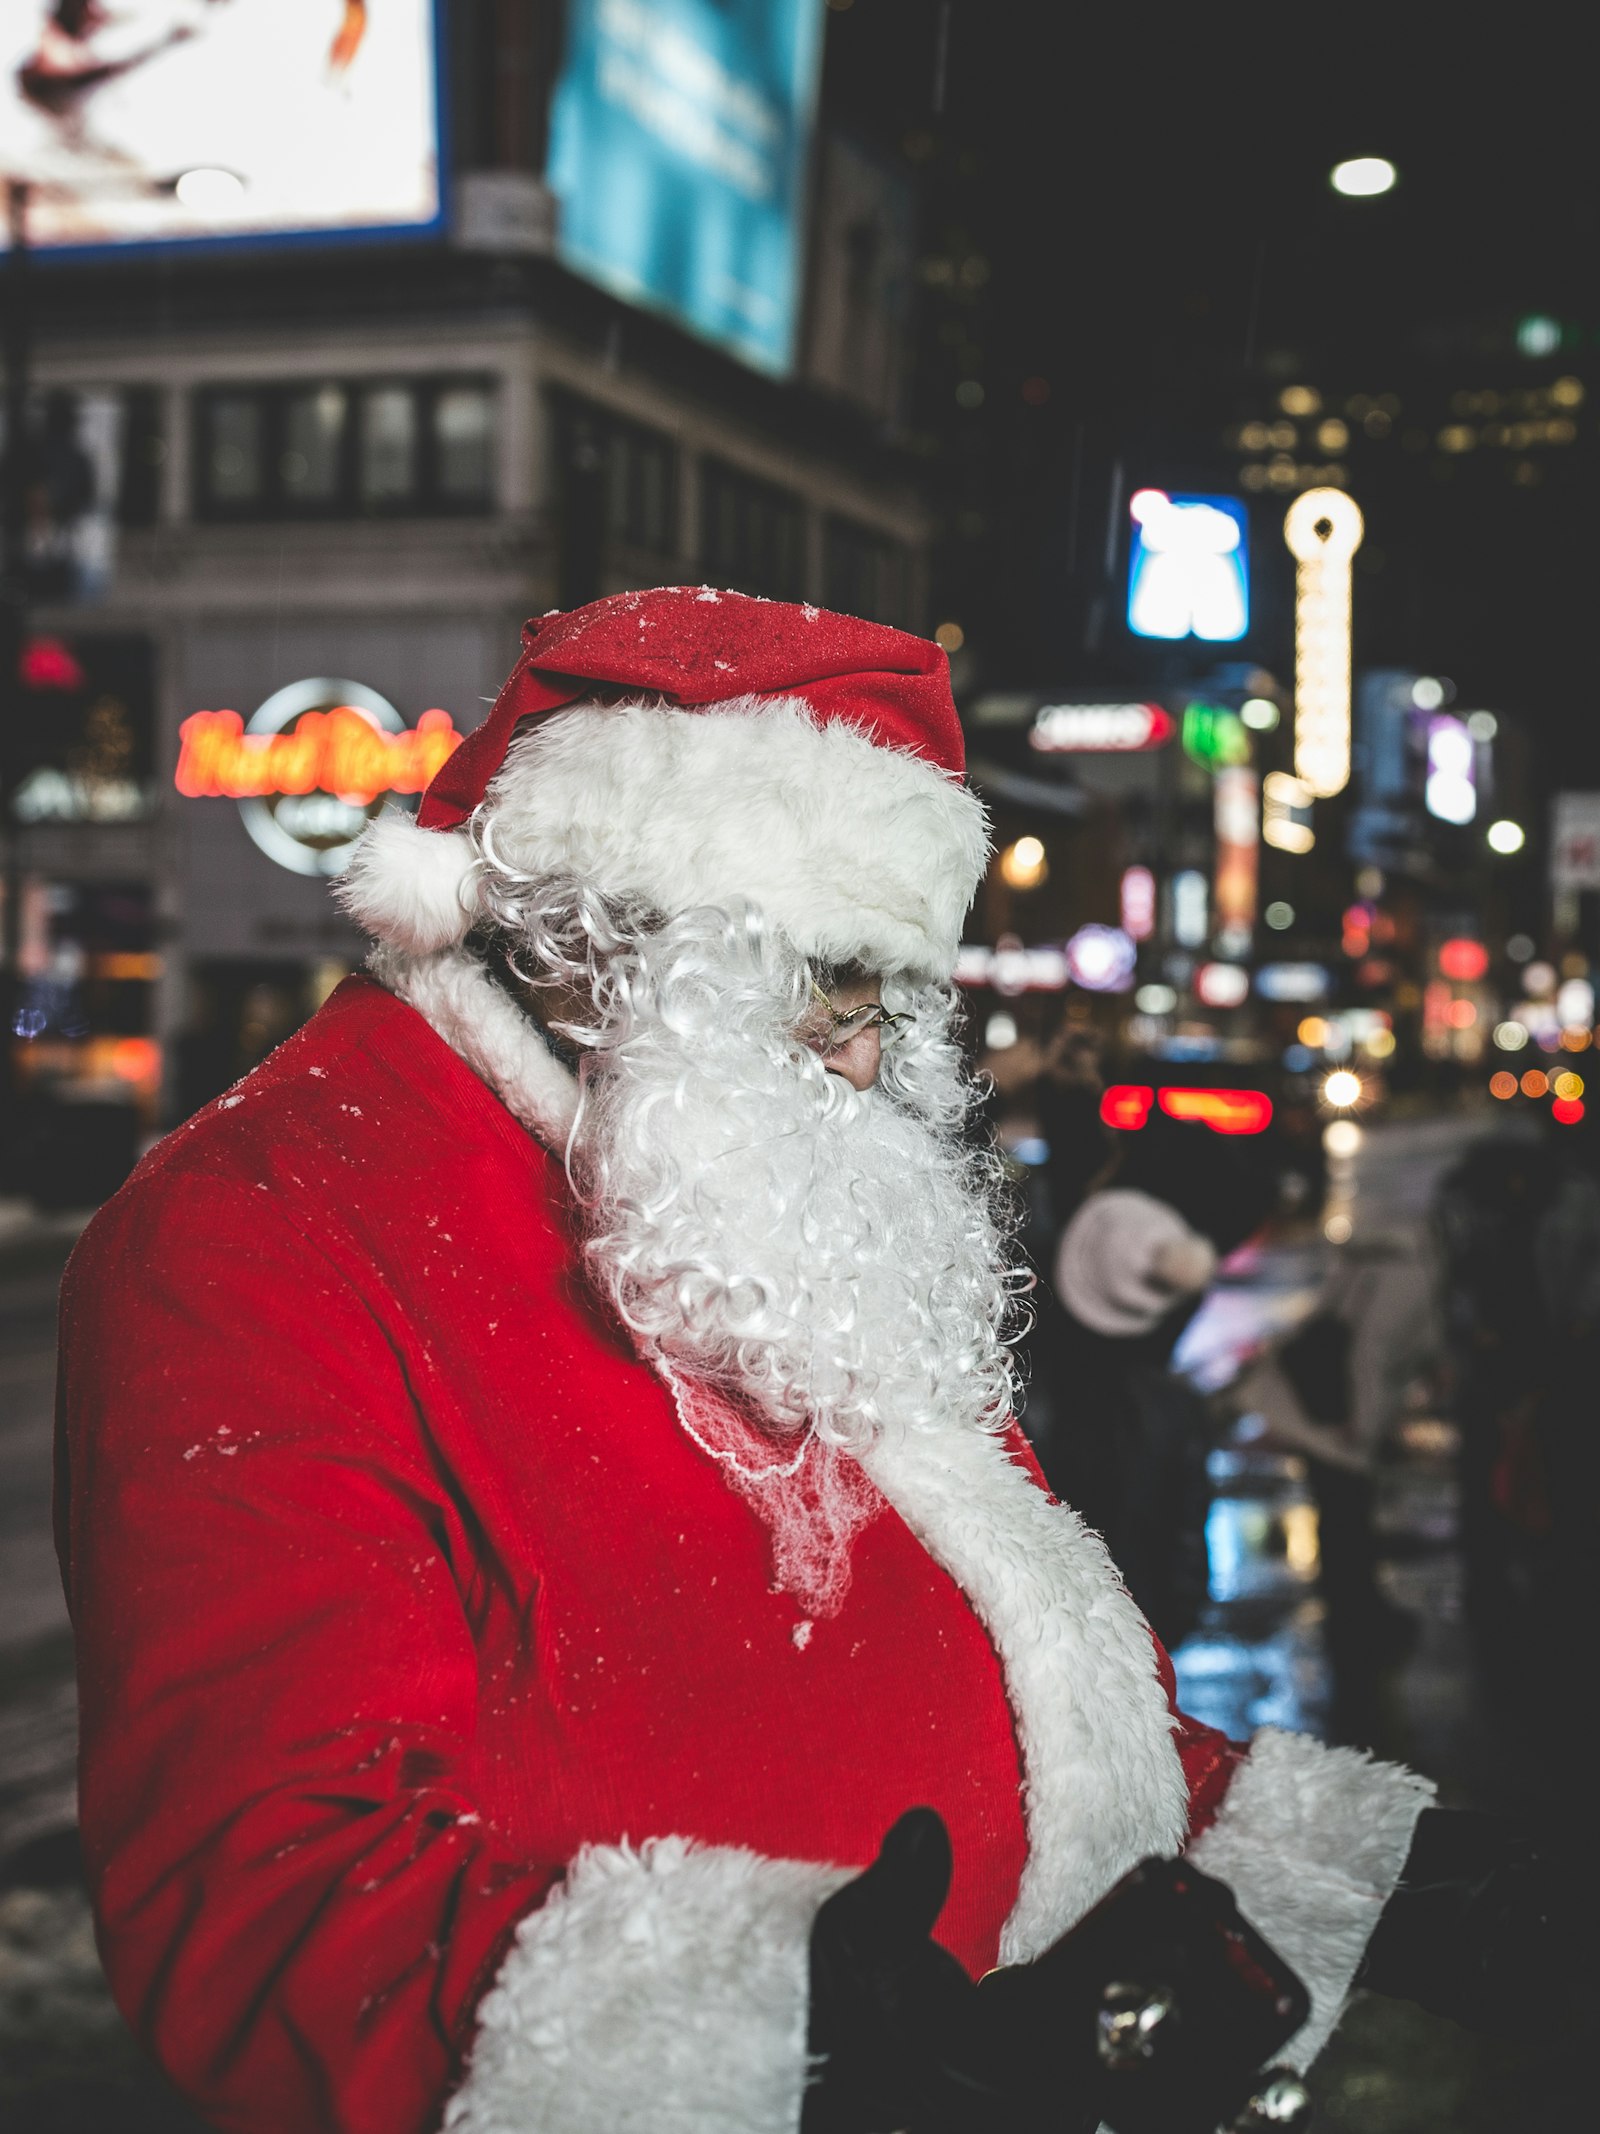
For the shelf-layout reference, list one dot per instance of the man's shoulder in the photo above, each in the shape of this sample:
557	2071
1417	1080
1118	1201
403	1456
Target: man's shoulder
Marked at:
347	1124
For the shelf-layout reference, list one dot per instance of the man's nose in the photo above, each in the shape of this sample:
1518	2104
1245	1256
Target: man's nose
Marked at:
858	1058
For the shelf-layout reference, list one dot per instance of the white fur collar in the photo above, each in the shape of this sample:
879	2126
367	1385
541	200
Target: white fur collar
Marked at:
452	990
1104	1786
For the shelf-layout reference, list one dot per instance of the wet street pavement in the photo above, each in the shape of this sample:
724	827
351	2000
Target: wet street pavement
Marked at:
1260	1657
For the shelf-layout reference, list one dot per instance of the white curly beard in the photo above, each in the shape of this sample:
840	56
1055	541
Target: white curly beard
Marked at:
807	1265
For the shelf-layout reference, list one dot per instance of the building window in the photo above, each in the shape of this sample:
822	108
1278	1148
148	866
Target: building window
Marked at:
343	449
864	573
752	533
387	468
634	471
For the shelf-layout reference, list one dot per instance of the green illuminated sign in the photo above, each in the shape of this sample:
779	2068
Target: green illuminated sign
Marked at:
1214	737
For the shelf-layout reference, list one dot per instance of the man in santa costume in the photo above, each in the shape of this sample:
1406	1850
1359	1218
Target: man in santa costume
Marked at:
539	1501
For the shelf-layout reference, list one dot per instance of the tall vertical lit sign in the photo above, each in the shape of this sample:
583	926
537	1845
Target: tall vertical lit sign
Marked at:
1188	567
1237	815
1323	530
680	134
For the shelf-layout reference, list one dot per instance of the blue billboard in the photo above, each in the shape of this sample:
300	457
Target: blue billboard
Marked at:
1188	567
679	138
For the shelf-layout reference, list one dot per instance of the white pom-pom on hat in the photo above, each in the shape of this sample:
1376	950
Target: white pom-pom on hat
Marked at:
414	888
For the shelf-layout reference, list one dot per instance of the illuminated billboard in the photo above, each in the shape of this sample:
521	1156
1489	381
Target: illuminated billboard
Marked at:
1188	567
158	121
679	140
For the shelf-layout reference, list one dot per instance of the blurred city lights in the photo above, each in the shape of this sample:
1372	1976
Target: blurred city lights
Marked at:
1222	985
1323	530
1363	177
1451	791
1285	813
1506	836
1535	1083
1463	960
1575	1004
1510	1036
1538	335
1313	1031
1427	692
1101	958
1482	725
1138	903
1260	714
1341	1138
1023	865
1000	1032
1380	1045
1502	1084
1567	1111
1540	980
1191	900
1337	1229
950	637
1567	1086
1519	947
209	192
1342	1089
1279	916
1155	1000
1299	400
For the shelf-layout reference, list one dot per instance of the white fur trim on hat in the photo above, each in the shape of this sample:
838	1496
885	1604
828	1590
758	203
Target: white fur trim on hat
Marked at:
665	1988
410	886
856	853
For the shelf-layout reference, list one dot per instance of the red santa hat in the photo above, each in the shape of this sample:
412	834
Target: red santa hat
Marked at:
686	746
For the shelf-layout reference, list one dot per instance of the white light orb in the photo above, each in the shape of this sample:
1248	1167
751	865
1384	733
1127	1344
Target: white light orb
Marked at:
1341	1089
210	192
1363	177
1506	837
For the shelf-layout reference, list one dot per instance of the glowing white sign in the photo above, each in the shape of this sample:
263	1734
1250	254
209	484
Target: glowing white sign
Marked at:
1100	729
1323	529
151	120
1191	908
1188	575
1451	792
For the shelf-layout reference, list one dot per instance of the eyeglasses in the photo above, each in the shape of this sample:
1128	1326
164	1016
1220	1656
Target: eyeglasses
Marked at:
871	1015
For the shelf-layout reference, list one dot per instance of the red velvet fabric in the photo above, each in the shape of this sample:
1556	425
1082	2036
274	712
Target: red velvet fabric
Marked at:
396	1581
699	646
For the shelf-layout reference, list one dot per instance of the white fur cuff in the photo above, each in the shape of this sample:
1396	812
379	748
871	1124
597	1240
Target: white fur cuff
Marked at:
1311	1841
662	1990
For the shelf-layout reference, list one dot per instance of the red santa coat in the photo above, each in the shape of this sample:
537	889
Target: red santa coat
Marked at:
436	1699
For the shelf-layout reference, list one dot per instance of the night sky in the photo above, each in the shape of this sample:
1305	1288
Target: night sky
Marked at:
1148	189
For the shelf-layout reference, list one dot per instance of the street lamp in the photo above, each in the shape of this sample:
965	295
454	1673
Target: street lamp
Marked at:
1363	177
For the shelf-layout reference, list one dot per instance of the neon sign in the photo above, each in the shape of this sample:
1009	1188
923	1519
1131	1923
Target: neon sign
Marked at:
312	766
1323	530
1188	574
1099	729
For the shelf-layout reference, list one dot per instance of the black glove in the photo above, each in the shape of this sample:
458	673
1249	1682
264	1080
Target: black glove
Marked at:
1480	1924
895	2018
1155	2014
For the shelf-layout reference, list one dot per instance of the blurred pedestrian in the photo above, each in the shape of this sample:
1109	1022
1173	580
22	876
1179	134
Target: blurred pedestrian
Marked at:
1518	1228
1333	1393
1129	1445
